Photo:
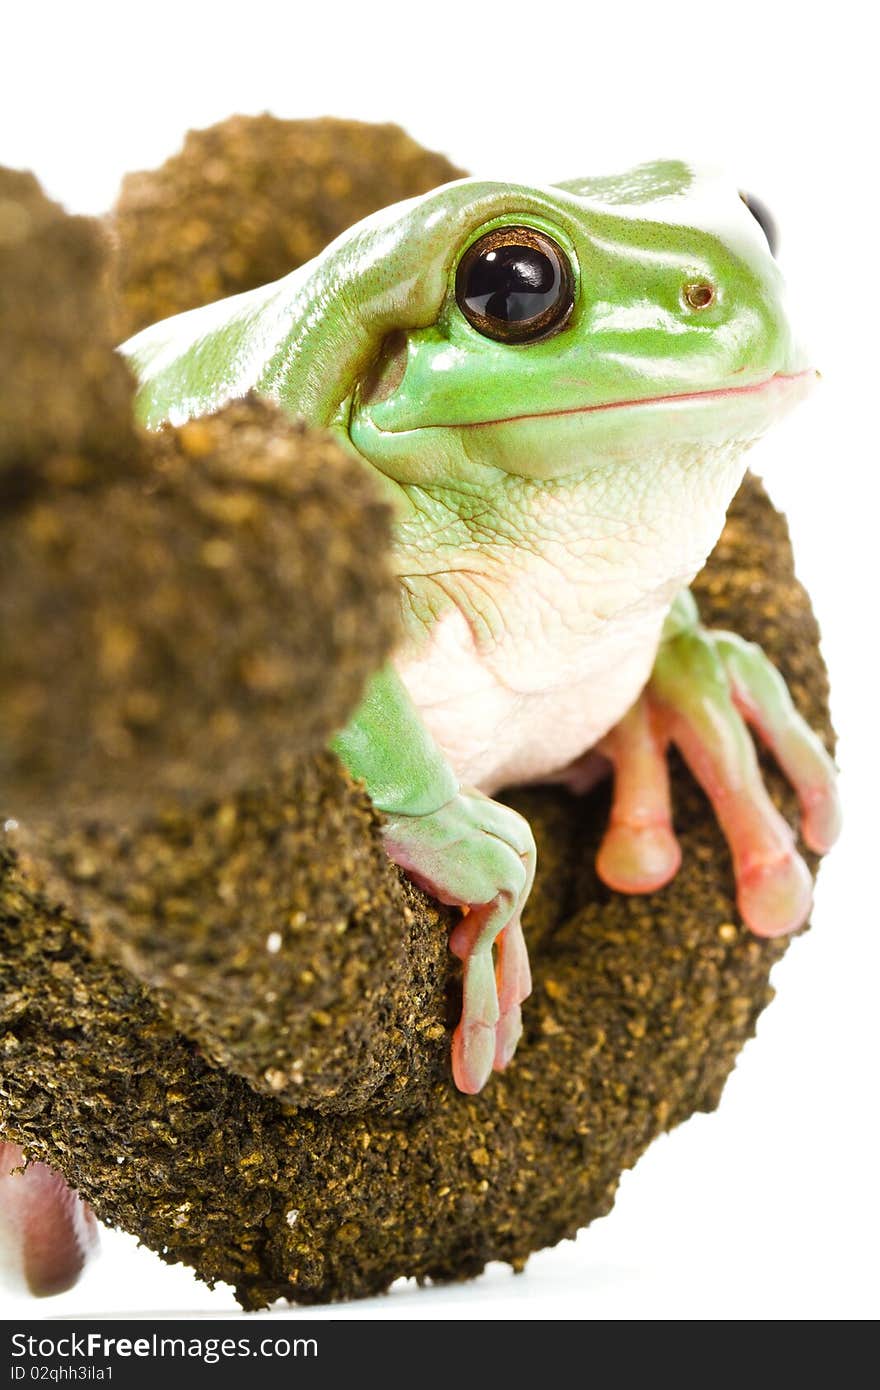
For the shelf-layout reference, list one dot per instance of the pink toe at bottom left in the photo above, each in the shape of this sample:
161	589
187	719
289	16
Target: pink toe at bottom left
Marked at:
47	1232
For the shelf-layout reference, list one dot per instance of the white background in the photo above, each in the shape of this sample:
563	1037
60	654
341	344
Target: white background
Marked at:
767	1209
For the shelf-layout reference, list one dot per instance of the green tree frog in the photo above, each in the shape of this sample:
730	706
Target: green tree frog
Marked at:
555	388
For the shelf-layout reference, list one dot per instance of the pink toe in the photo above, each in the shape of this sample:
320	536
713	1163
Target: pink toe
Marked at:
514	974
473	1055
507	1035
821	819
775	898
466	932
46	1231
638	859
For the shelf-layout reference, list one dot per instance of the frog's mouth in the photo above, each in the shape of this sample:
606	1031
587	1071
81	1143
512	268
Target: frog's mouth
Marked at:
779	381
563	441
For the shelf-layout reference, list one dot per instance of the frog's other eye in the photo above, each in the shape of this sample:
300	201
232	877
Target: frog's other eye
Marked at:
515	285
764	219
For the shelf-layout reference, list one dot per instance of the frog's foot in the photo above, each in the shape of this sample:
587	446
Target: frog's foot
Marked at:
704	688
46	1231
476	854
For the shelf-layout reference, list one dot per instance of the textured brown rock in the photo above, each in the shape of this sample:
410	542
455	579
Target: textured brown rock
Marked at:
192	629
639	1010
274	932
180	614
248	200
56	327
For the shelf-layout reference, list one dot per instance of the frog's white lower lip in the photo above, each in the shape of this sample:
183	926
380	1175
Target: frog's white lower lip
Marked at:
681	398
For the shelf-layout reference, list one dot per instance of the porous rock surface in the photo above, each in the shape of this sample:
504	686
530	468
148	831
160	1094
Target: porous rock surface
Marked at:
181	612
250	199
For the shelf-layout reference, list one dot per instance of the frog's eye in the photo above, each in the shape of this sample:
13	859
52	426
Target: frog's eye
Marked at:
515	285
764	219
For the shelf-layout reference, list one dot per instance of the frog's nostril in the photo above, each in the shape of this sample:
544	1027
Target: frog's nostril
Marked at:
699	294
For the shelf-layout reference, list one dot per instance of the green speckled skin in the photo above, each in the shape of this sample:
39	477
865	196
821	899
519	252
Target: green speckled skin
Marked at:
552	499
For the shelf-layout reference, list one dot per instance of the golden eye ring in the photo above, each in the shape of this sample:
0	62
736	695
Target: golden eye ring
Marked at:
515	285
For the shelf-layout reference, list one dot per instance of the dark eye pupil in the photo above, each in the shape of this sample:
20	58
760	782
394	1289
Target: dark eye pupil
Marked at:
514	284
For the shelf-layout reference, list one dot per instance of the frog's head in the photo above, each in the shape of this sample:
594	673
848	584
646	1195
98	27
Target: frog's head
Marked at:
540	331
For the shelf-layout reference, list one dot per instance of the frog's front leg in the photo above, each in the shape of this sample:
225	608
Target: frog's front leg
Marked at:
705	688
467	851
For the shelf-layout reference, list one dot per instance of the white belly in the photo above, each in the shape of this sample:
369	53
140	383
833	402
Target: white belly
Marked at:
524	709
545	629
